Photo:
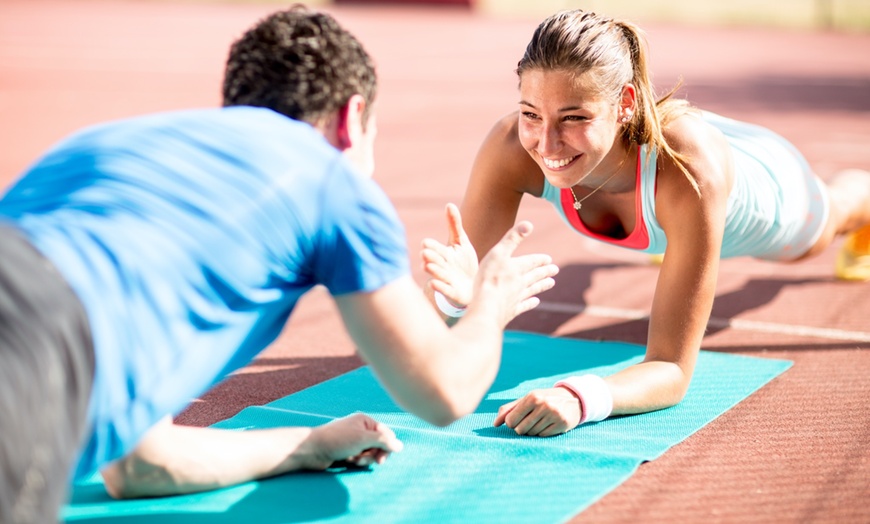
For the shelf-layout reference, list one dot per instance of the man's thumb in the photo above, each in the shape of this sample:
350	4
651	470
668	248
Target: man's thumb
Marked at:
515	236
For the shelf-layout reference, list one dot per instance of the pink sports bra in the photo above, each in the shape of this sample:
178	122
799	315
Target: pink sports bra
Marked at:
637	239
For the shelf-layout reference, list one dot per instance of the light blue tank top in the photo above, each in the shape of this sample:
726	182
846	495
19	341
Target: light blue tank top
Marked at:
776	210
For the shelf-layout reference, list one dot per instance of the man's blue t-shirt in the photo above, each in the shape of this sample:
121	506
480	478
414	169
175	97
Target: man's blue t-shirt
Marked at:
189	237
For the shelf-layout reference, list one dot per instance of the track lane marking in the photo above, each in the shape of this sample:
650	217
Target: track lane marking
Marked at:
715	322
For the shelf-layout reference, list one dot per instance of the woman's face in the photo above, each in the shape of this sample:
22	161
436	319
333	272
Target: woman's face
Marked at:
565	125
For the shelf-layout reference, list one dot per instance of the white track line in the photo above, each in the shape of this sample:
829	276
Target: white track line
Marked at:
734	323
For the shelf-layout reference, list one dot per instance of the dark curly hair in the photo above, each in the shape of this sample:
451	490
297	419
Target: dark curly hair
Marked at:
300	63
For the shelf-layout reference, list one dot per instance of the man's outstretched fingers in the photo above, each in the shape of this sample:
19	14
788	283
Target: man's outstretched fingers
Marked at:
528	305
536	260
512	239
540	277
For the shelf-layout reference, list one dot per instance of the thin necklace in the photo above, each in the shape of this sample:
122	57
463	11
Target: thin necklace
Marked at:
579	203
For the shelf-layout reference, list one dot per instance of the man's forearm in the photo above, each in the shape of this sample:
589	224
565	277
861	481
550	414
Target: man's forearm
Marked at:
181	459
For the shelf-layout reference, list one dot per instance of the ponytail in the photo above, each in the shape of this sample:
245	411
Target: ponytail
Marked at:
647	124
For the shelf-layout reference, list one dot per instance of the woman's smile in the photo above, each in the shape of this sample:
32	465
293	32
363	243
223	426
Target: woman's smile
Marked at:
556	164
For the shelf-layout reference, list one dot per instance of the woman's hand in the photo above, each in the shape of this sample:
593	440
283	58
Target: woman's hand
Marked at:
541	413
452	267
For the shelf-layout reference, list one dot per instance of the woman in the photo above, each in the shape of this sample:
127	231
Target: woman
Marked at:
657	177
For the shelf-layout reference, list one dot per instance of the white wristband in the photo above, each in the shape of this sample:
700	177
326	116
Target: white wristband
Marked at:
596	401
447	308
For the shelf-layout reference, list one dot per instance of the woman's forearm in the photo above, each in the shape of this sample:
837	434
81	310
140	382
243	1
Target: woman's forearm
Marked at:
647	386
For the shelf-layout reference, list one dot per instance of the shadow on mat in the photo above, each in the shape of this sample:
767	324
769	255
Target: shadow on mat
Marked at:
571	285
296	497
575	279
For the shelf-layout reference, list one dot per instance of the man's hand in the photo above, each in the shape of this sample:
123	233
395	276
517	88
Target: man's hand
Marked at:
172	459
441	372
510	282
357	440
542	413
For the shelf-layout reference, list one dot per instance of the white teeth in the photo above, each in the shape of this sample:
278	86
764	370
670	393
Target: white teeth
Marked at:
555	164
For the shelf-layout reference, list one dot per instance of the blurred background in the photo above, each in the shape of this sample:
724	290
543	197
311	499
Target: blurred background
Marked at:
825	14
794	452
69	63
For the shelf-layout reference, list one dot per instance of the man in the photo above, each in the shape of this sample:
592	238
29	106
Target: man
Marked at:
143	260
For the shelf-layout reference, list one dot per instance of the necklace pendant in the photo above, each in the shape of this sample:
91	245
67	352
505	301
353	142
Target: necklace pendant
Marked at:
577	206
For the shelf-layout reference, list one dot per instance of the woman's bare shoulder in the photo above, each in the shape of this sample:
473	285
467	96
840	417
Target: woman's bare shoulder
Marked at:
704	151
502	155
504	135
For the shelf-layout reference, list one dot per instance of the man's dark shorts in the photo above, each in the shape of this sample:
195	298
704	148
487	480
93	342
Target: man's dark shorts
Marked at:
46	373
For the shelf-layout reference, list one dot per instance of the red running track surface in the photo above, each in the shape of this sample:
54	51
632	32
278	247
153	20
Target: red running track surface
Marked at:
796	451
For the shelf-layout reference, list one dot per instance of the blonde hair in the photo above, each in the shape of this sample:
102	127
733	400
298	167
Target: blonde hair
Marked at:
614	53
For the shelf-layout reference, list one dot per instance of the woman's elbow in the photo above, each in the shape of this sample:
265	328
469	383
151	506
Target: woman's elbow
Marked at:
671	386
678	395
678	387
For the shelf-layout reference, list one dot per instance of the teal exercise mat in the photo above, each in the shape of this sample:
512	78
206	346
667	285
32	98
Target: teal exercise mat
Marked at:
468	471
436	478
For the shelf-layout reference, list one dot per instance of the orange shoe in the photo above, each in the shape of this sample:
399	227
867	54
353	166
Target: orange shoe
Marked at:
853	261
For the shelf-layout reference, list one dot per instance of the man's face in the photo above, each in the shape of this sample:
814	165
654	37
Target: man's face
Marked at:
364	156
361	151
